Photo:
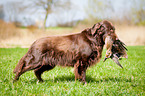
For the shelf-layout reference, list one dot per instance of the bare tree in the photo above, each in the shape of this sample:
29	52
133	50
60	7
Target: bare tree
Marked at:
49	6
1	12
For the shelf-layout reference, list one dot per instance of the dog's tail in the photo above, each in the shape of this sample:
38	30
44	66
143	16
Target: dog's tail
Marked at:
20	64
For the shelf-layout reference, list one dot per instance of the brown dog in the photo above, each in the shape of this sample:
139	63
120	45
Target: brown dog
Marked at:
77	50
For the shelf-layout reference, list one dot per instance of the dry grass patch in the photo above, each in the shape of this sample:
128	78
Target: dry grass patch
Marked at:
131	35
10	36
7	30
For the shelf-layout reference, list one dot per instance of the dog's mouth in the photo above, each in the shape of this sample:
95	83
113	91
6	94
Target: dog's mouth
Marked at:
118	52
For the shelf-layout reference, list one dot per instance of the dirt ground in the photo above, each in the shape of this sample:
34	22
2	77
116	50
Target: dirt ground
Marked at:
130	35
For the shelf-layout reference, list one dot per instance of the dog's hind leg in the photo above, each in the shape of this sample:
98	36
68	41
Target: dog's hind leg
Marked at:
24	69
40	70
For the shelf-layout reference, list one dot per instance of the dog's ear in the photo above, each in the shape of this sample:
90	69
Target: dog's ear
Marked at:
95	28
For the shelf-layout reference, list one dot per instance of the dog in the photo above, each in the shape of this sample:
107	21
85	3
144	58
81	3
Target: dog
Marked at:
79	50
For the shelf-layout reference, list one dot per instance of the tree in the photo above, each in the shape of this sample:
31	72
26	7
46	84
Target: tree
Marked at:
13	11
49	6
1	12
99	8
138	11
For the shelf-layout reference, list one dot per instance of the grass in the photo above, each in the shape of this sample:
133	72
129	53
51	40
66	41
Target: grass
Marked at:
102	79
12	36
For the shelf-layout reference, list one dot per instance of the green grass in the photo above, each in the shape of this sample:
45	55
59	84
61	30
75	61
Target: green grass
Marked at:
102	79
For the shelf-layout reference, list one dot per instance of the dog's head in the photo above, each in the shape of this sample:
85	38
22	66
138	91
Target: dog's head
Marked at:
115	48
107	31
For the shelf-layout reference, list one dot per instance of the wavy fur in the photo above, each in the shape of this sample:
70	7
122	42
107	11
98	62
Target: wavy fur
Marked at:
78	50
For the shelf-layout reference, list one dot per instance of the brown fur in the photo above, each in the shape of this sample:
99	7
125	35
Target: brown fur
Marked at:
78	50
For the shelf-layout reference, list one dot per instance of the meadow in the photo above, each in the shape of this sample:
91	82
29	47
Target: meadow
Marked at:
105	78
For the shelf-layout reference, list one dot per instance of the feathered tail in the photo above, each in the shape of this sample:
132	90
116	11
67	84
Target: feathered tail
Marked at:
20	65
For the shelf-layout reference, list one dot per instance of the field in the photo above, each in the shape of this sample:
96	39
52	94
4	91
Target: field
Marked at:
105	78
23	37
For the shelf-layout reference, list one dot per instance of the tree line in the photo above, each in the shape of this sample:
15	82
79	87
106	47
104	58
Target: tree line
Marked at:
94	10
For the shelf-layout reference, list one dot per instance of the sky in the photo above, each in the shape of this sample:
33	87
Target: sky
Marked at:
78	12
